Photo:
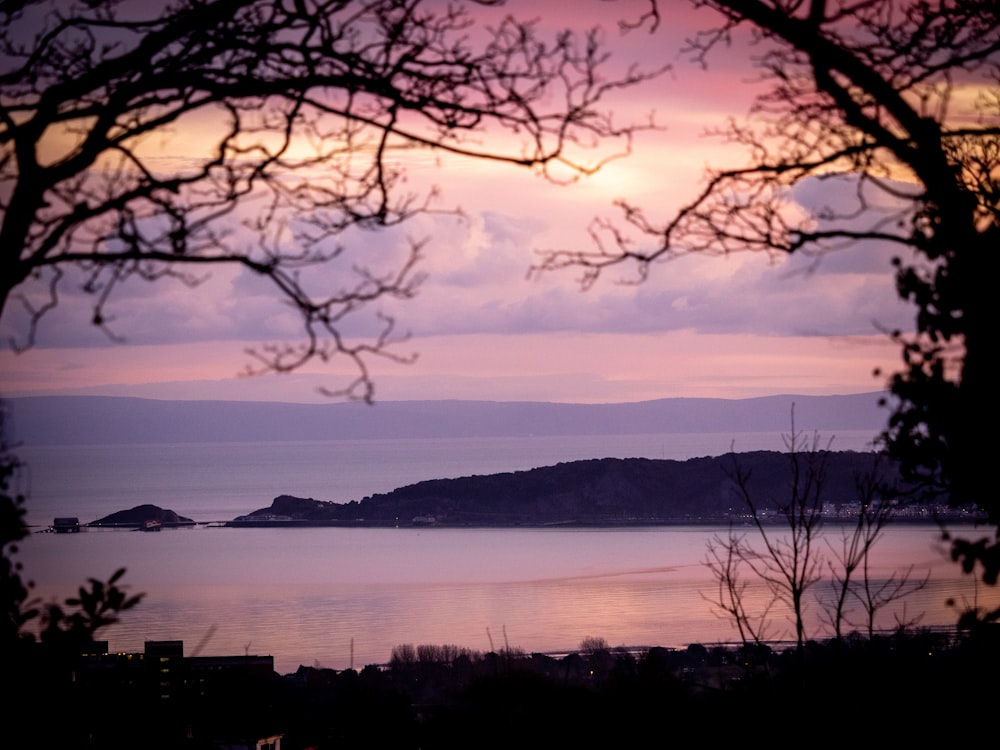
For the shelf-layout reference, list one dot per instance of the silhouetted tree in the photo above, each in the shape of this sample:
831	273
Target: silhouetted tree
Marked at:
851	577
305	114
74	622
783	552
14	591
787	562
731	598
895	106
41	643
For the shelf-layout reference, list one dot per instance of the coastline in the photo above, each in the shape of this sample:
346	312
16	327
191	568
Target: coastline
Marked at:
954	519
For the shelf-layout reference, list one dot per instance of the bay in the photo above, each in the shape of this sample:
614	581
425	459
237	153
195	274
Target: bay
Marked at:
219	481
346	597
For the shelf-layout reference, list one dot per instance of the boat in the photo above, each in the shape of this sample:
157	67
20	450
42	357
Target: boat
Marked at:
151	525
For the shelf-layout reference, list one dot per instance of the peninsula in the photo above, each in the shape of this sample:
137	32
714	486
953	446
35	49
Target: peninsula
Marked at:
597	492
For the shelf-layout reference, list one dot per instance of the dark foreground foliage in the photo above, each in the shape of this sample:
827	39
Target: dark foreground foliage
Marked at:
896	689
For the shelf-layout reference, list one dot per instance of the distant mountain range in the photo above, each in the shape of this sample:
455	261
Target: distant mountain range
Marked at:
85	420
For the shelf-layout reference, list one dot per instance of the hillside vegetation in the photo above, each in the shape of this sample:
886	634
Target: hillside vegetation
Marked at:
603	491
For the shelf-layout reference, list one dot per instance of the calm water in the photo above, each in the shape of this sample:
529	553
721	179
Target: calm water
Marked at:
343	597
346	597
213	482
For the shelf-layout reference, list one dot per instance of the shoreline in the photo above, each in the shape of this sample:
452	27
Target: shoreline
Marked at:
951	521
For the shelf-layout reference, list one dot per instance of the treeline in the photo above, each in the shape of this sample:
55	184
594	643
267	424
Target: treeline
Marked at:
884	689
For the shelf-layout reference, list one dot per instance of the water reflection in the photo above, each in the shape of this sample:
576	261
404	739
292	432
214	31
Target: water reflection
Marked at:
342	597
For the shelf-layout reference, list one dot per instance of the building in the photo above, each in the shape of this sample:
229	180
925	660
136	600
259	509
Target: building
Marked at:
66	525
218	699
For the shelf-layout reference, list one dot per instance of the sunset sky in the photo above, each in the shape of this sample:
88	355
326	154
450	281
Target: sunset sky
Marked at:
733	327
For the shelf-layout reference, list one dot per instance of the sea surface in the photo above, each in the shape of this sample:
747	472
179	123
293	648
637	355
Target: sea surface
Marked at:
345	598
219	481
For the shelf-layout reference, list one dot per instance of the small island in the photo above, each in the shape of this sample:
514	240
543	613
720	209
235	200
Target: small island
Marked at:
145	517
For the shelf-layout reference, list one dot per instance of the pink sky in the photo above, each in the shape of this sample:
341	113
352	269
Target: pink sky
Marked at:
730	328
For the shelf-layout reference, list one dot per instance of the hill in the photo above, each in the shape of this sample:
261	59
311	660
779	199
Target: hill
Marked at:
609	491
141	516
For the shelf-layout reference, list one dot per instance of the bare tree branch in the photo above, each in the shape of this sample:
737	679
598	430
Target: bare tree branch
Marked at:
851	576
786	558
902	99
308	112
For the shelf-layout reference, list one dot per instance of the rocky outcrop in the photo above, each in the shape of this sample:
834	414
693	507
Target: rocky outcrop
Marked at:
140	515
288	508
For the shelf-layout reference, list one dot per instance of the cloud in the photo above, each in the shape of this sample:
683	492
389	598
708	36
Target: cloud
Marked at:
476	283
696	323
848	292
